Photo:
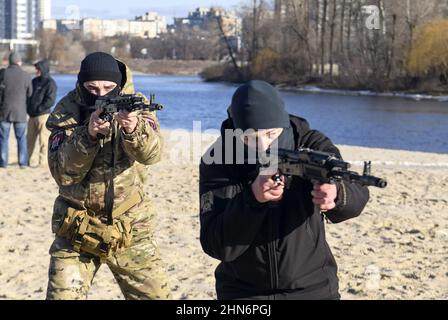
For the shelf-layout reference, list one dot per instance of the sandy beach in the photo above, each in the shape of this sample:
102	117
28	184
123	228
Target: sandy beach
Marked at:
397	249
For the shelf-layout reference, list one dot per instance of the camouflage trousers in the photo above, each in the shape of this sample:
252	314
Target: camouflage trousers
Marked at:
138	269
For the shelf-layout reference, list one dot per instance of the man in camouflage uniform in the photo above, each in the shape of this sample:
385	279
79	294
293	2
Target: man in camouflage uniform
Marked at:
87	168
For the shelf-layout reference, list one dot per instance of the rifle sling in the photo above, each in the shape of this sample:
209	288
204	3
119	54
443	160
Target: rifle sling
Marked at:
110	194
136	198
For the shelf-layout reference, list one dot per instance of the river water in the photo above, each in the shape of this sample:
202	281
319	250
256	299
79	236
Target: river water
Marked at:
380	122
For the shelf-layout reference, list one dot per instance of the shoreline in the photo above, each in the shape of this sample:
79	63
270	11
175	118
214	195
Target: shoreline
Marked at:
134	73
380	150
140	67
370	93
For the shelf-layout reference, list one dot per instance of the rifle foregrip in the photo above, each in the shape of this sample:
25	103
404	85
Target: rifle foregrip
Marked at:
373	181
377	182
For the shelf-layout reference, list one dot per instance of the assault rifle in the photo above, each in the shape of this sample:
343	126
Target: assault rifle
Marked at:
318	166
128	102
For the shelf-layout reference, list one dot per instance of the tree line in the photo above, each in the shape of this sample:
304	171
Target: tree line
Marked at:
375	44
371	44
69	48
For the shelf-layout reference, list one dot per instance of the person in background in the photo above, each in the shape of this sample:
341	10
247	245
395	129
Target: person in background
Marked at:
38	109
16	90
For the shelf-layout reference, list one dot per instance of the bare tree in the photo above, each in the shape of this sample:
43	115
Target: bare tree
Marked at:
255	16
51	45
299	24
322	36
332	35
229	47
303	36
342	23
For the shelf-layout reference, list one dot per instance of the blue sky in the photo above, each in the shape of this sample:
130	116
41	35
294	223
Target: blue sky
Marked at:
128	9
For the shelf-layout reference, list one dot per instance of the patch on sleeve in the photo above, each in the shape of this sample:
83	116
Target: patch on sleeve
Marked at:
152	123
206	202
56	141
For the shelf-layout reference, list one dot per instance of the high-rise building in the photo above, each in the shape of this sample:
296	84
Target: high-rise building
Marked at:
280	8
157	25
20	18
44	7
149	25
204	18
2	19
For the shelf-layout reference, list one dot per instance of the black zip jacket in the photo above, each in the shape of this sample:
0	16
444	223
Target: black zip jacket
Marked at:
44	92
271	251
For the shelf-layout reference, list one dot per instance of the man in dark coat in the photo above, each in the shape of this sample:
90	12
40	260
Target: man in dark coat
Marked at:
269	235
39	108
17	89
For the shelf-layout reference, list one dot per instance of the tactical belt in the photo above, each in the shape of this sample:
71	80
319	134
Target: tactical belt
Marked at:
90	234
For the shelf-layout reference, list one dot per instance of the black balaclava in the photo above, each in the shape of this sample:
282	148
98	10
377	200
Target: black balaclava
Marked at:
98	66
258	105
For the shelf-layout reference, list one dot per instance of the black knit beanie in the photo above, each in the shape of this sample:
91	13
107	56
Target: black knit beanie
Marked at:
99	66
258	105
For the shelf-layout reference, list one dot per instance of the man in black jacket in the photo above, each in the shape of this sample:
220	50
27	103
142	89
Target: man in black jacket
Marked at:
17	89
39	108
270	235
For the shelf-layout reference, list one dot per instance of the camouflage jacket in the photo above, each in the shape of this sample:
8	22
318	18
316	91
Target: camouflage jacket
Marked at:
82	166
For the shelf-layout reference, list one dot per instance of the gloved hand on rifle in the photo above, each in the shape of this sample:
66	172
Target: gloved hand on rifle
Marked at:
127	120
324	195
98	125
265	189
